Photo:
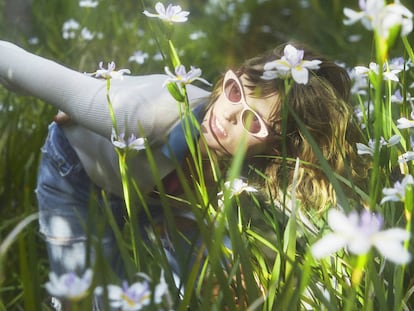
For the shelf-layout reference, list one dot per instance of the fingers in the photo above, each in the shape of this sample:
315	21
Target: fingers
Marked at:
62	118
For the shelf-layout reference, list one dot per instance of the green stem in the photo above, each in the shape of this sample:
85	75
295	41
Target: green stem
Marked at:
378	117
122	155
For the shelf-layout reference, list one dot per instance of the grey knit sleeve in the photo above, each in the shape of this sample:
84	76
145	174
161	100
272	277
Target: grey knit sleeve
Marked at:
141	104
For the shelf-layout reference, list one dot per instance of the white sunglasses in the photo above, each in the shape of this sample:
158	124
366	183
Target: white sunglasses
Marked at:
251	120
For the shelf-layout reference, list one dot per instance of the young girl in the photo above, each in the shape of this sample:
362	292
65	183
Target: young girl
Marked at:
245	105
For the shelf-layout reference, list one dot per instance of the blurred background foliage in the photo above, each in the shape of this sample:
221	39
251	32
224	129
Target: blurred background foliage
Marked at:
219	34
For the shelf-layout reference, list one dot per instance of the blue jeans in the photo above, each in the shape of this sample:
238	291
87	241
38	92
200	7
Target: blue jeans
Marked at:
71	213
67	198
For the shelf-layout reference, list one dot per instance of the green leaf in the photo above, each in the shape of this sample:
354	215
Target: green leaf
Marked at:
174	56
175	91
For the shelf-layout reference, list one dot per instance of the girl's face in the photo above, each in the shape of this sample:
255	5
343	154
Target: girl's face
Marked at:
236	116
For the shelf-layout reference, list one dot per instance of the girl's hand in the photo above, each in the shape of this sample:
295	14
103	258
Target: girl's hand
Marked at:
62	118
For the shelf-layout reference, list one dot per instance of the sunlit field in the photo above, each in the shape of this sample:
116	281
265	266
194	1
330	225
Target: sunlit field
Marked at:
251	254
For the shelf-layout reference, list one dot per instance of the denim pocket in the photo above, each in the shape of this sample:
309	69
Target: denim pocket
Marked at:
60	152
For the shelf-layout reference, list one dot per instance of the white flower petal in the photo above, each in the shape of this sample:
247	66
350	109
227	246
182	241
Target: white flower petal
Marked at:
353	16
311	64
137	144
360	244
300	75
395	139
328	245
114	292
389	244
269	75
405	157
404	123
339	222
364	149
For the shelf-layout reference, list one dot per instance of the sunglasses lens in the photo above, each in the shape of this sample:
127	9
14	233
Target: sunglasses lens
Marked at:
251	122
232	91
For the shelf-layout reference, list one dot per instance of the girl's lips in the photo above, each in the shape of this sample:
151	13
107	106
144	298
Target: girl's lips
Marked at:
216	127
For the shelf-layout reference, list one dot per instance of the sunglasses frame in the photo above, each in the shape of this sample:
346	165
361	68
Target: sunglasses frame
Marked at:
263	132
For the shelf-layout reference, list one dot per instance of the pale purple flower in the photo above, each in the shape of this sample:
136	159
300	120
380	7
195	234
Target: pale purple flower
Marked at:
358	234
389	73
405	157
69	285
197	35
172	14
398	63
369	8
404	123
397	193
131	143
136	296
139	57
290	65
181	76
379	16
397	97
359	83
162	288
86	34
69	29
158	57
393	14
110	72
129	298
370	148
363	111
88	3
237	187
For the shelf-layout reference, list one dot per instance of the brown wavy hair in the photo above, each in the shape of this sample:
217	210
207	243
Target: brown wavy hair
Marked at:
322	110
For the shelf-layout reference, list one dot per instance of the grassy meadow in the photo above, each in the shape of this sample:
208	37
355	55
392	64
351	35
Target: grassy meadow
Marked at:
270	266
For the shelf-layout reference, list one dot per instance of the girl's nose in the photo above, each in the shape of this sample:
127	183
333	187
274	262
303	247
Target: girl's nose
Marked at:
232	112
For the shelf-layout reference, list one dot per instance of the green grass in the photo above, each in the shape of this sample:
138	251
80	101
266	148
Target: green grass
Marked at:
270	266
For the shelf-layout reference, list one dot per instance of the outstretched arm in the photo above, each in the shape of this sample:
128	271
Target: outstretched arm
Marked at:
138	102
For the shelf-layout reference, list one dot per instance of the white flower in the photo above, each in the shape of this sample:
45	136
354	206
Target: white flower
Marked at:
161	289
381	17
370	148
397	193
69	286
389	73
130	298
69	29
290	65
399	99
358	233
88	3
136	296
404	123
110	72
237	187
369	8
197	35
132	142
392	15
138	57
181	76
405	157
172	14
86	34
359	83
